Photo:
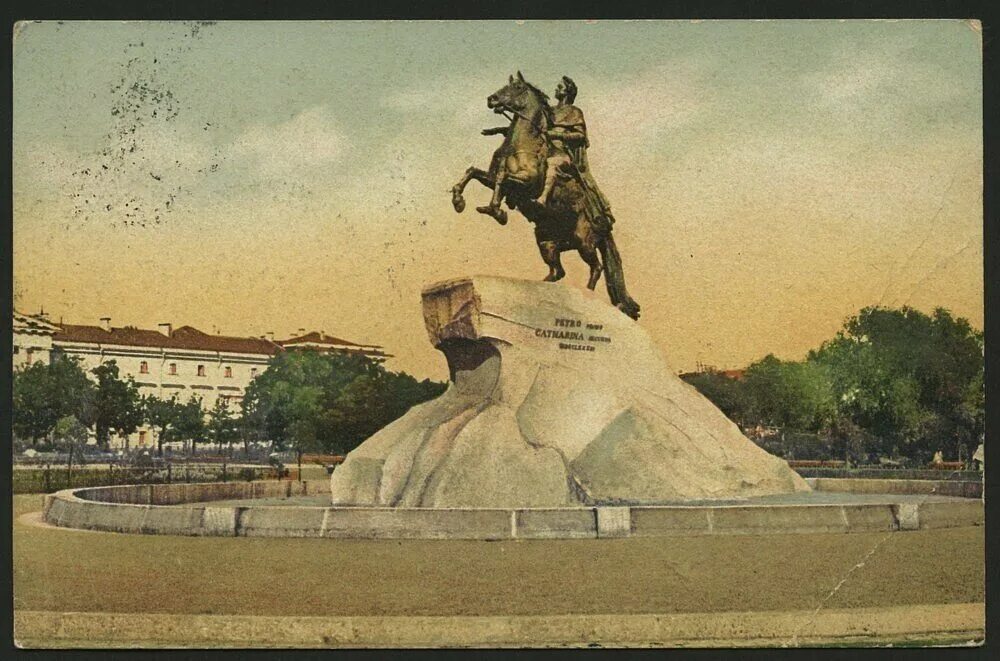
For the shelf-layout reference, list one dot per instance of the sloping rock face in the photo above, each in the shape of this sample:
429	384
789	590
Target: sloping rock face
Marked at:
556	399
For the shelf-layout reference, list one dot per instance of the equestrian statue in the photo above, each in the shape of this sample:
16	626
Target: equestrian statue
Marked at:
541	170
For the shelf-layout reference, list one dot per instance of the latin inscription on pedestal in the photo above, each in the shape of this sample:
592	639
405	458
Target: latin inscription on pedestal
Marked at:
574	334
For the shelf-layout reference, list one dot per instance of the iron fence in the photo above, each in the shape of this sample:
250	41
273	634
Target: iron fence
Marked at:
55	477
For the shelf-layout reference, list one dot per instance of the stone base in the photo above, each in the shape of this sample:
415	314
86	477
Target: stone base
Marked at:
556	399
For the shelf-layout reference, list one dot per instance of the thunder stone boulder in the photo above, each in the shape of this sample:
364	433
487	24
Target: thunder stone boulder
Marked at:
556	399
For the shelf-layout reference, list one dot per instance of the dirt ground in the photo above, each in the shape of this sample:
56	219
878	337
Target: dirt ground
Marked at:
64	570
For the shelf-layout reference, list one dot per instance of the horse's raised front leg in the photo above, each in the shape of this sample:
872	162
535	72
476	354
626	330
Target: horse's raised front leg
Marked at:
493	209
482	176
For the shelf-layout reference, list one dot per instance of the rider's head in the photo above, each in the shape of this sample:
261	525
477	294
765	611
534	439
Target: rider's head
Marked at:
566	90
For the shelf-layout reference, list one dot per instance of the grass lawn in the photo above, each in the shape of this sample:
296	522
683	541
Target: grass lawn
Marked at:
66	570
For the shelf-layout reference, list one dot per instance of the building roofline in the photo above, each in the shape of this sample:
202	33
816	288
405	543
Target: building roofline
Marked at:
186	338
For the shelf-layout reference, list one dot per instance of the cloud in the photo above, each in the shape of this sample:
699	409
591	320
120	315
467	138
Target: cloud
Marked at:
856	92
165	167
130	183
310	139
879	85
413	100
431	134
855	82
453	104
636	112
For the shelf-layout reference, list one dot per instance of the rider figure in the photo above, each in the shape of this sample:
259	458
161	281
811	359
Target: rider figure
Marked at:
568	137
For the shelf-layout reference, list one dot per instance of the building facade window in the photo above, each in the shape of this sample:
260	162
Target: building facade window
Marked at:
173	368
144	367
142	438
201	370
228	373
27	356
253	372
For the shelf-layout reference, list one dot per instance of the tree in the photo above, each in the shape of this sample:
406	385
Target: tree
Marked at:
324	402
162	415
729	394
117	405
45	393
970	416
189	422
371	400
892	382
221	427
789	394
911	380
70	433
251	424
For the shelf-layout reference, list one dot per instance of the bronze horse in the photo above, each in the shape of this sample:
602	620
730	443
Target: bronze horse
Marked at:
517	175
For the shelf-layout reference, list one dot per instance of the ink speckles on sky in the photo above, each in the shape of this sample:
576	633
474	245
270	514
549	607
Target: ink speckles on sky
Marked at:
769	178
132	180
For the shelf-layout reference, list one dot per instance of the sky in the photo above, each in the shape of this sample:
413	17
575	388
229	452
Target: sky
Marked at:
769	178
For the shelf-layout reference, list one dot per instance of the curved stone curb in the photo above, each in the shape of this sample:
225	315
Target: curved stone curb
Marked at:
957	623
147	509
956	488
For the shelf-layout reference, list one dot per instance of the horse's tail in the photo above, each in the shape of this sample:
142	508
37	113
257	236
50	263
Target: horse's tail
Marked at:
614	277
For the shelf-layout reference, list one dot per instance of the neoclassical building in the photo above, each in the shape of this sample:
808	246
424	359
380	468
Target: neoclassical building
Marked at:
32	339
168	361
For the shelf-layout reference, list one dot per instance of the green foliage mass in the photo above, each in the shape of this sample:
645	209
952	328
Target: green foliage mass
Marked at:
176	421
892	382
795	395
308	401
69	433
161	415
316	402
221	427
45	393
117	406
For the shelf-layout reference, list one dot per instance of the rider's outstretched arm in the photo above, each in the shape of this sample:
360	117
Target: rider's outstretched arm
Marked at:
500	130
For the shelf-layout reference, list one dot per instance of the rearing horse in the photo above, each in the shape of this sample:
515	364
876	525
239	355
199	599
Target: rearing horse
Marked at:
517	175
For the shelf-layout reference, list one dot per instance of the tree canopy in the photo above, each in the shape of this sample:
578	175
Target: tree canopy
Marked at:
892	382
45	393
320	402
222	426
70	433
161	414
189	421
117	406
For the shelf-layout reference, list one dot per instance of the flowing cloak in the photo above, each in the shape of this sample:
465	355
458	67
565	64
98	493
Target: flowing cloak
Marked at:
570	117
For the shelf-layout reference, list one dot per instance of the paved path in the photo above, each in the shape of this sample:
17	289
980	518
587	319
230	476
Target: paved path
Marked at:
953	624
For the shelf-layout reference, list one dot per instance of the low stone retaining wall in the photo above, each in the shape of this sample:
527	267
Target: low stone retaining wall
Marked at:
149	509
959	489
890	473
